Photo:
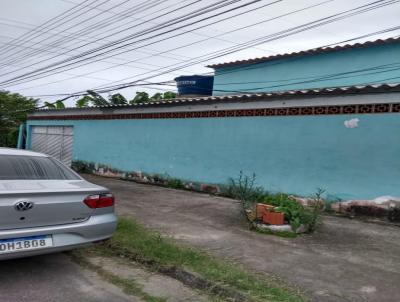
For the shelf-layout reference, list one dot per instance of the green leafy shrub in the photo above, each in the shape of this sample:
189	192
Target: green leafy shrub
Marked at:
314	218
295	213
175	183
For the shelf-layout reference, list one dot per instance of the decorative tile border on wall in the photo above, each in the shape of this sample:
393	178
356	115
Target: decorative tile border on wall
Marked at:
286	111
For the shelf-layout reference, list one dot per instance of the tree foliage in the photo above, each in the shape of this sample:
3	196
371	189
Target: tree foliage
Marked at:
95	99
56	105
157	96
140	97
117	99
13	110
143	97
169	95
92	98
83	102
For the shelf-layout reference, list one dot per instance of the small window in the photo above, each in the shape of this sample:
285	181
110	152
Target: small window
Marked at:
33	167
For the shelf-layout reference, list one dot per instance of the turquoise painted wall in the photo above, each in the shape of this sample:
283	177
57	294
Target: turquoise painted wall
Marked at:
293	154
381	64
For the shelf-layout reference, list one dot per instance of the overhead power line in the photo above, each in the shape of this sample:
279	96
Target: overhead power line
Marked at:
48	24
83	57
151	29
81	32
272	37
344	75
49	48
141	19
340	75
88	31
255	65
379	32
162	53
43	25
384	67
315	21
225	33
84	36
146	83
200	41
62	50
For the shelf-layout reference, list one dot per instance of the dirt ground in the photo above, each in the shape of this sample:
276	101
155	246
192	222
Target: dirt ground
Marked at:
345	260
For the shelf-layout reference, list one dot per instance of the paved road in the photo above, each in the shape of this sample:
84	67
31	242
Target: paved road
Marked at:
53	278
346	260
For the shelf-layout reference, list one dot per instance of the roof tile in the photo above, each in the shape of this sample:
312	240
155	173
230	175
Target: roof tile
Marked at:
313	51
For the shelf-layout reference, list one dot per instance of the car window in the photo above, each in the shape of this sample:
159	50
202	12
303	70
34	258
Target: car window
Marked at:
32	167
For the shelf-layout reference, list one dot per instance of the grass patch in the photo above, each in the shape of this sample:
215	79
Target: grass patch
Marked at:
175	183
151	248
129	286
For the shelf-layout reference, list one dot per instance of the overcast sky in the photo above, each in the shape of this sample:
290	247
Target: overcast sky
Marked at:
98	22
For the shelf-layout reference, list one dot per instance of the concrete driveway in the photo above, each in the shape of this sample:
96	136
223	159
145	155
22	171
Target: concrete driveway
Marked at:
346	260
54	278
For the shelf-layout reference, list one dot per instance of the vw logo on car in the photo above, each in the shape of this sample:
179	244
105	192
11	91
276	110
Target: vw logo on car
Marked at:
23	205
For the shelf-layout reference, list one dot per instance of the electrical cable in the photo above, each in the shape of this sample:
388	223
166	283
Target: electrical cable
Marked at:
216	54
379	1
99	25
199	41
46	26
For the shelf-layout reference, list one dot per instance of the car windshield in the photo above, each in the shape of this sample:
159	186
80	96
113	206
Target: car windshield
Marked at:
33	167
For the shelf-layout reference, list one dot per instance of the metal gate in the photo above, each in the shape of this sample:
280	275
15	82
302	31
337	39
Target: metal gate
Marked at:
55	141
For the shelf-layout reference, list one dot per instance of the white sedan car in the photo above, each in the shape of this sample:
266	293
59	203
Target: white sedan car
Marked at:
46	207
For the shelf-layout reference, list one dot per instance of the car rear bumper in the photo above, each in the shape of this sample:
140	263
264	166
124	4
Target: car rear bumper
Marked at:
65	237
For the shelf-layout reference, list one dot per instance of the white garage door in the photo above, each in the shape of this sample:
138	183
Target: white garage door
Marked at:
55	141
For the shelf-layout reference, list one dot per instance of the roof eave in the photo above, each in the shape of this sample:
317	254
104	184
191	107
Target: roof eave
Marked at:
332	91
313	51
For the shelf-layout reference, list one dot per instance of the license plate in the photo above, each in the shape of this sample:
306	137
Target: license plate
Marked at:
25	244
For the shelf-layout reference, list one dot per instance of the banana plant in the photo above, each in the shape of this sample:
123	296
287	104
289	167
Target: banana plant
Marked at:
56	105
97	99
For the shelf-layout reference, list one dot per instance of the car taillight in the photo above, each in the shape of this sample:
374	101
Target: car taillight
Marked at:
99	201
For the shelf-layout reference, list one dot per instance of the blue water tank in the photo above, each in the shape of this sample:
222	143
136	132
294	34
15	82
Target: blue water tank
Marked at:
195	85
